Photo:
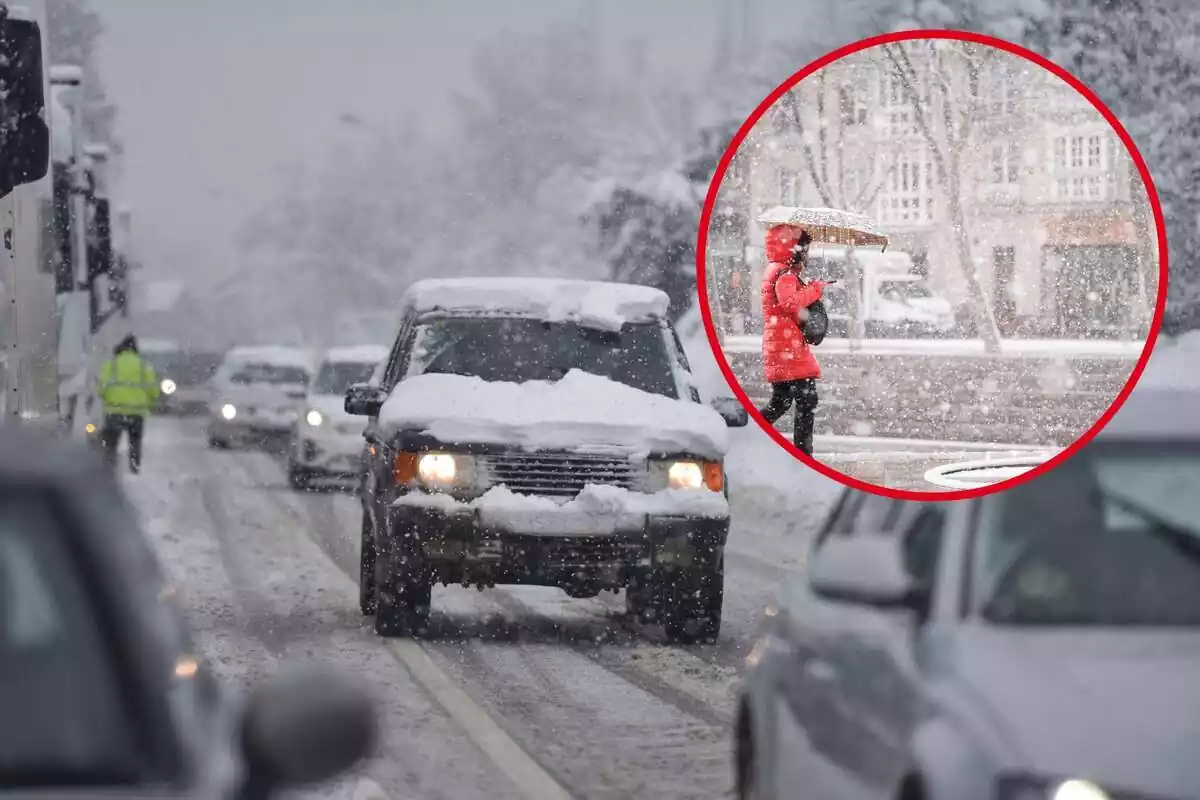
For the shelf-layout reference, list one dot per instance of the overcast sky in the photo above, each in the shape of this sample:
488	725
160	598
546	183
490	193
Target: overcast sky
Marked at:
216	97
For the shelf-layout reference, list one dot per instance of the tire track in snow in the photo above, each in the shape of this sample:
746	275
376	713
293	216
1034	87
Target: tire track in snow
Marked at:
301	606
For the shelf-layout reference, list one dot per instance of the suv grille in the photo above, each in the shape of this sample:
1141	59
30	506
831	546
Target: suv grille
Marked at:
561	474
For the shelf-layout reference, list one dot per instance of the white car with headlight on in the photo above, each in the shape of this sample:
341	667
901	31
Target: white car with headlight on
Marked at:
326	441
1039	643
258	395
543	432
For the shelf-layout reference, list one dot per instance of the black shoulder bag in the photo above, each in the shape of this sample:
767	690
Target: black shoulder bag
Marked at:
816	326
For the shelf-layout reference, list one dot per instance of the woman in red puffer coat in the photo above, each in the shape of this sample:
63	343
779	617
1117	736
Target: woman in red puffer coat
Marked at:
788	361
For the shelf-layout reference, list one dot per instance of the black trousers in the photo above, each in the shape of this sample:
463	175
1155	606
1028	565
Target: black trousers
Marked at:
802	393
110	438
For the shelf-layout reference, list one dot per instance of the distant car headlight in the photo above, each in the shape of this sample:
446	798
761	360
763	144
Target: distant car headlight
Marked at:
686	474
228	411
167	386
90	428
1029	788
314	418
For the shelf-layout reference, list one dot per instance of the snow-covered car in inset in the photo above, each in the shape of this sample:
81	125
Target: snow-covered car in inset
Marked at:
544	432
326	441
258	394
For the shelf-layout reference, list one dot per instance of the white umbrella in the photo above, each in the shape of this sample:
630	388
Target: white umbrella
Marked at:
829	225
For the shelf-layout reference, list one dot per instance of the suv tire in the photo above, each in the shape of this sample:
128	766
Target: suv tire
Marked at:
403	592
298	477
692	601
366	569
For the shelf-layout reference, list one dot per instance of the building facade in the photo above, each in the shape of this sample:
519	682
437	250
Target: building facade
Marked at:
1056	220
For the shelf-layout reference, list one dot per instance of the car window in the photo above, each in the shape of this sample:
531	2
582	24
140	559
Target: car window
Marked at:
398	359
63	721
335	377
274	374
1109	539
921	544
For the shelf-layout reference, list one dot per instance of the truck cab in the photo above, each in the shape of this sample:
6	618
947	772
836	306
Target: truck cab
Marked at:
894	301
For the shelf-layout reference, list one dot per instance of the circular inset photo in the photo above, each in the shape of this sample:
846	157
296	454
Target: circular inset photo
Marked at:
932	264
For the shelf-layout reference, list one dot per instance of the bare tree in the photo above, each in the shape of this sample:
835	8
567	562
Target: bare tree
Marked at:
824	157
948	136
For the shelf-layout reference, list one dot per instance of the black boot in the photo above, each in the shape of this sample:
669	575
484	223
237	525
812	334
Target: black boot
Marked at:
802	433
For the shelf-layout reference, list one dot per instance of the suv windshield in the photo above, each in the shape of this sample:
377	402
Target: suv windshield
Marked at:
62	722
1111	538
517	350
269	373
335	377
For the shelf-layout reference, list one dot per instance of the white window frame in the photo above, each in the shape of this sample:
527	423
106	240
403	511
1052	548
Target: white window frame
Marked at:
1005	160
906	196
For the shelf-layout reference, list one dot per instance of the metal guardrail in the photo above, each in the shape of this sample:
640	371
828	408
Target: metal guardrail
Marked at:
985	472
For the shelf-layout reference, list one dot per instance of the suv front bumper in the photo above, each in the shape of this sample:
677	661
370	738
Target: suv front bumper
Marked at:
606	551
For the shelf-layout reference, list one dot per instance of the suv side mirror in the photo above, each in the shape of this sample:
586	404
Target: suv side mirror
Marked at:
864	569
731	410
25	135
304	726
364	400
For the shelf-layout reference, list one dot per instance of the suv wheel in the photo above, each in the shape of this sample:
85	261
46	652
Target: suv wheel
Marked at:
403	593
692	601
366	569
298	476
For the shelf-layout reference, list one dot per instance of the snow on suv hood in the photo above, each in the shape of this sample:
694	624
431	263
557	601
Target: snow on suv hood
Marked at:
579	410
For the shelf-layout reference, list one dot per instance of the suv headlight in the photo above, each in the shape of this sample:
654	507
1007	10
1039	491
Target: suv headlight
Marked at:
435	470
314	418
686	474
1029	788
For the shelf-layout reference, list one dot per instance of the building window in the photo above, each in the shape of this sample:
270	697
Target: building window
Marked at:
1003	91
789	189
1095	150
1095	188
906	193
1076	152
853	105
1077	185
1006	164
1060	154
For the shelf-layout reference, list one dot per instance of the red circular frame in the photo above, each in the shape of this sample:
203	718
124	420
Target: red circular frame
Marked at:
743	132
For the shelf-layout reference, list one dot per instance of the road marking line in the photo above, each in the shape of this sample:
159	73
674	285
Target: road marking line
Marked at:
526	774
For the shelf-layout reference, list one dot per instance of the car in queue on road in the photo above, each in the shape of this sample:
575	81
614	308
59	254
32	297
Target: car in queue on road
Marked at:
184	377
258	395
326	441
1041	642
103	691
544	432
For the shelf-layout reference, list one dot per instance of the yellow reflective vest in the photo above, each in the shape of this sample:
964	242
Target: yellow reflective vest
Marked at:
128	385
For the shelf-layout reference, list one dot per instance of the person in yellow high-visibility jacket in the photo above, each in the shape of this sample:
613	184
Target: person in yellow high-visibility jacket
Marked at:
128	390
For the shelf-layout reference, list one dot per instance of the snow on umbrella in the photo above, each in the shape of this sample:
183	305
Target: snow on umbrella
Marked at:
829	225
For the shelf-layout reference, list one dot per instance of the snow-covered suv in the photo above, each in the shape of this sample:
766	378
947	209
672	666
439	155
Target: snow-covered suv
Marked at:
544	432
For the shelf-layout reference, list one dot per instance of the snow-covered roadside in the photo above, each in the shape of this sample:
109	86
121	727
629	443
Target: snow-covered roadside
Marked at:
770	492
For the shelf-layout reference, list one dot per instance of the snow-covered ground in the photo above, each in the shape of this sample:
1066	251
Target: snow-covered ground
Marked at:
519	691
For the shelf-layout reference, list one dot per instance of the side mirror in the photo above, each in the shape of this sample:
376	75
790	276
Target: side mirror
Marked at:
731	410
26	138
304	726
864	569
364	400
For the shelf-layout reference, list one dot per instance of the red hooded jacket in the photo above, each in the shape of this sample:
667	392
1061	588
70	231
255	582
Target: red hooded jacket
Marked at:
786	355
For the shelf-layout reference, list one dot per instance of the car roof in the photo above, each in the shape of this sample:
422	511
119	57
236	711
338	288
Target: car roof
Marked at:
1156	413
601	303
271	354
357	354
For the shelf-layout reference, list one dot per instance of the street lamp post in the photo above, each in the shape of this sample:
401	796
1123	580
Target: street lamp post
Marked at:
70	76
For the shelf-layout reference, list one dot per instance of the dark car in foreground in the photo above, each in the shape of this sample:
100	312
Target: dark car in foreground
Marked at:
183	379
1042	642
542	432
102	691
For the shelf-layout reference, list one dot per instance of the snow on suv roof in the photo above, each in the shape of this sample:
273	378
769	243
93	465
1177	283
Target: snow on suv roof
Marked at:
596	304
357	354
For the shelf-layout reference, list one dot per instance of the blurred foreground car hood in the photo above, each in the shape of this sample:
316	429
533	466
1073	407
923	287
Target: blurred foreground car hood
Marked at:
1121	708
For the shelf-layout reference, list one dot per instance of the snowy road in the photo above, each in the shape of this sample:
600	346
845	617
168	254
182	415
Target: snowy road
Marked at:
518	692
903	463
